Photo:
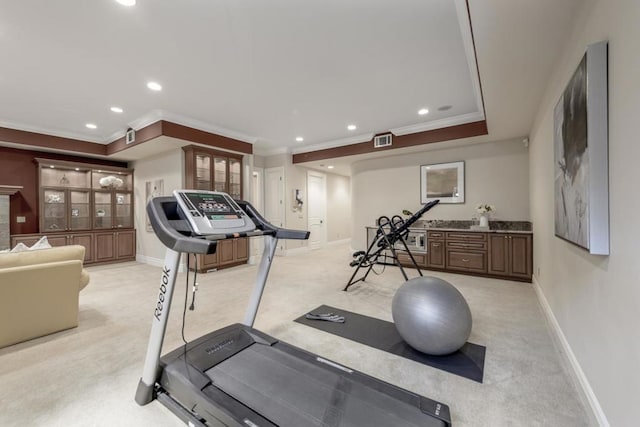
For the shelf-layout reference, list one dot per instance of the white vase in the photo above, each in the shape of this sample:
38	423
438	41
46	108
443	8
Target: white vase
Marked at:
484	220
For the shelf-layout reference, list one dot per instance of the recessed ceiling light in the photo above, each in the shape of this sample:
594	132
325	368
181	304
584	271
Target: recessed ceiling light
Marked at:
127	2
423	111
116	109
154	86
329	167
352	127
299	139
91	126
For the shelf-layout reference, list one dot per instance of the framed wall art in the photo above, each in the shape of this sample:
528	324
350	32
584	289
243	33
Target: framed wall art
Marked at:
581	197
444	181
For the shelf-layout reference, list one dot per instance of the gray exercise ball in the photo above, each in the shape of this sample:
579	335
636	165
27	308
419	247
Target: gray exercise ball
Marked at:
431	315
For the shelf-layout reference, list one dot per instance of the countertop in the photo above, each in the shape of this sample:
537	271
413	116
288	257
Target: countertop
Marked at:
465	230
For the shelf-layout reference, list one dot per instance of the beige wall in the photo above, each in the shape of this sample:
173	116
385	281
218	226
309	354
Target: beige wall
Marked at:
169	167
596	299
338	200
496	173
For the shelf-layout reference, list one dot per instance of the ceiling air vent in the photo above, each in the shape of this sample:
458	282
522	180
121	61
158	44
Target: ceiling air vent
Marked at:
382	141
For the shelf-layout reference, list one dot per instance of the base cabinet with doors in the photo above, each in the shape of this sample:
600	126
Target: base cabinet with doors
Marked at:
492	254
104	246
510	255
228	253
215	170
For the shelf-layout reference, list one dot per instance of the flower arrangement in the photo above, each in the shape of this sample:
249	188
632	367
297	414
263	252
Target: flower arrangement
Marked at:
484	208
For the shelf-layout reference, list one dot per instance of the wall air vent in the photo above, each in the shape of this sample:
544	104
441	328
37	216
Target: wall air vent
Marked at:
382	141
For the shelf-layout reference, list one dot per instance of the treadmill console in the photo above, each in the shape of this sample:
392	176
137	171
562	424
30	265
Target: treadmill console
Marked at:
212	212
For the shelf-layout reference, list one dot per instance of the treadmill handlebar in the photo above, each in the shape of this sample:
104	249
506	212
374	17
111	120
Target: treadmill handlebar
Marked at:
174	232
263	224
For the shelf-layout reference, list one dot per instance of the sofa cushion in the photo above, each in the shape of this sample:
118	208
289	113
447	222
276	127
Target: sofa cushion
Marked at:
58	253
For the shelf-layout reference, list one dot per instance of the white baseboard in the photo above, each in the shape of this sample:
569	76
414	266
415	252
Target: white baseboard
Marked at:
581	378
157	262
339	242
296	251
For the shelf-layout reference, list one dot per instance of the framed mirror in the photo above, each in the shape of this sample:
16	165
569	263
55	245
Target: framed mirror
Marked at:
444	181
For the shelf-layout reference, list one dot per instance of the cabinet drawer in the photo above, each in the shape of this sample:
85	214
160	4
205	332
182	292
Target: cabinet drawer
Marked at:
435	235
469	261
467	245
457	235
405	259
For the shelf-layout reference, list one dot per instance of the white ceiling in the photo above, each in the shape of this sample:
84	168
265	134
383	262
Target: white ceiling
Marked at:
268	71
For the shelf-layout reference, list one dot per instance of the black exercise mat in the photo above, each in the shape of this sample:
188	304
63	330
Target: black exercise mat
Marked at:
467	362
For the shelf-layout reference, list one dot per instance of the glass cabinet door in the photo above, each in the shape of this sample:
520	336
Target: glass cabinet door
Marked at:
54	210
235	170
220	174
102	209
123	217
203	172
80	218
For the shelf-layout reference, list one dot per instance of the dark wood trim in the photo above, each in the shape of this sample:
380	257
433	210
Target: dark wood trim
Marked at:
34	139
145	134
206	138
466	130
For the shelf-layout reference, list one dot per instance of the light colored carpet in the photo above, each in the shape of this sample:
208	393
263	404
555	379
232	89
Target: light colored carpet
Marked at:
87	376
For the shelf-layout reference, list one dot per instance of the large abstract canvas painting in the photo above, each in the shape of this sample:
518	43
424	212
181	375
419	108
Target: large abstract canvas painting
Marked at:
581	155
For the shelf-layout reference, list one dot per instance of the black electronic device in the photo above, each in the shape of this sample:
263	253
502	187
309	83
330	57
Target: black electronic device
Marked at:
239	376
212	212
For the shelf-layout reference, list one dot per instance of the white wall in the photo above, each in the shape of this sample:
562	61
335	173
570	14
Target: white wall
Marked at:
338	207
168	166
596	299
496	173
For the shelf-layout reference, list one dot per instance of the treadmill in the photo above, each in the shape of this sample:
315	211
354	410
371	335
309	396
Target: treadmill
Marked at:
239	376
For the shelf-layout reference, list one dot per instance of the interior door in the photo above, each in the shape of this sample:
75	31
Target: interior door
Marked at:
274	200
317	209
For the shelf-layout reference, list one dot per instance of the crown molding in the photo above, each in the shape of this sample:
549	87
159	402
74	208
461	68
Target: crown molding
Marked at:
439	124
40	130
206	127
270	151
365	137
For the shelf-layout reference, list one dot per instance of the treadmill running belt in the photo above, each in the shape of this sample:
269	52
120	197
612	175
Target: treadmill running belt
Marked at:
293	392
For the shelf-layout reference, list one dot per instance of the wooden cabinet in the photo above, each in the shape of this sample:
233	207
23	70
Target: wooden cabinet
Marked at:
215	170
466	251
511	255
88	205
435	249
115	245
228	253
83	239
81	196
65	196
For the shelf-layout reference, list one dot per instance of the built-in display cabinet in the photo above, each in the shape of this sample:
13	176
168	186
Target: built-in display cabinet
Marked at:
214	170
85	204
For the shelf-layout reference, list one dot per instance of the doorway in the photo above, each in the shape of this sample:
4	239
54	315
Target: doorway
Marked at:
317	209
274	200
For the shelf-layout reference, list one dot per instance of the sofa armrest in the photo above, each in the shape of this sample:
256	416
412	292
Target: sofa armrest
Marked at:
37	300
